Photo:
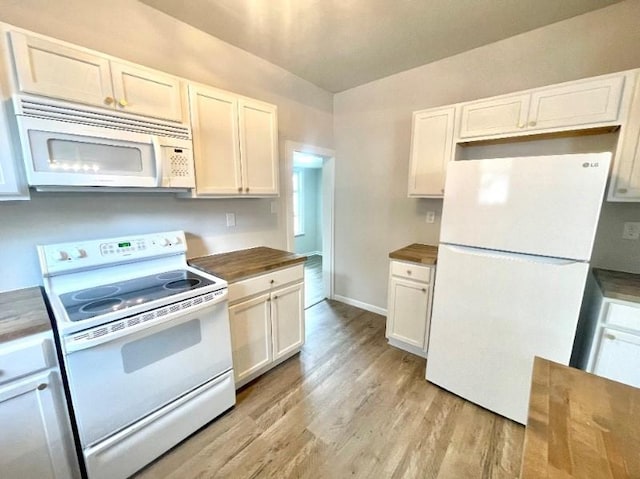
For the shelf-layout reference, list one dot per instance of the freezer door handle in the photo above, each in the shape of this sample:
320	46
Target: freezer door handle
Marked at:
505	255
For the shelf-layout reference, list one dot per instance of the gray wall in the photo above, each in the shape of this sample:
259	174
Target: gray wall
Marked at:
372	126
133	31
311	240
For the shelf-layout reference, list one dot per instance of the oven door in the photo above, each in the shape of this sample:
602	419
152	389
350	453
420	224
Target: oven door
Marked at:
59	153
117	382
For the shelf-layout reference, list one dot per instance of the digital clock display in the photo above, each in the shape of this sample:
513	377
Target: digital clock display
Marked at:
124	245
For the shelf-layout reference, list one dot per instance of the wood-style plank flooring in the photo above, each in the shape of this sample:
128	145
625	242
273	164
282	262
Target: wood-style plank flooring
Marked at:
348	406
313	287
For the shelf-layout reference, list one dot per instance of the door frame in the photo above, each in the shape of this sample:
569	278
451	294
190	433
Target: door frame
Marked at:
328	198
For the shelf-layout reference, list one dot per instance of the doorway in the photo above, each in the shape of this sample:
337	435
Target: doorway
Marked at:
310	215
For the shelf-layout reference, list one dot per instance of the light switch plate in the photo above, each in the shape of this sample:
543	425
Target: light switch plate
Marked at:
231	219
431	217
631	231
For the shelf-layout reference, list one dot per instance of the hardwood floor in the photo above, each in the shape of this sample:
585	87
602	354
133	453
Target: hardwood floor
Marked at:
348	405
313	287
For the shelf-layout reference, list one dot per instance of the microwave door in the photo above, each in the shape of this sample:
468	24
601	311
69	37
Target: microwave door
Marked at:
58	153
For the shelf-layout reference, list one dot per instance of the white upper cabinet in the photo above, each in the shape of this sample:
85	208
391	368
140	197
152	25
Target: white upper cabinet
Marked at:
575	105
494	116
57	70
235	144
431	149
625	178
258	147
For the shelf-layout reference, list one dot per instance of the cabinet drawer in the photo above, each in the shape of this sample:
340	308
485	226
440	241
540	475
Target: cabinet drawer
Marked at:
25	356
623	316
411	271
265	282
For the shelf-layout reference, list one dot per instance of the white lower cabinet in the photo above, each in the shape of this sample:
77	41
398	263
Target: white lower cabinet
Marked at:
36	439
267	326
409	306
615	349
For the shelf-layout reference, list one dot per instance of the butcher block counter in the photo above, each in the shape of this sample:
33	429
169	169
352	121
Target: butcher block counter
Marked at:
416	253
22	313
618	285
580	426
238	265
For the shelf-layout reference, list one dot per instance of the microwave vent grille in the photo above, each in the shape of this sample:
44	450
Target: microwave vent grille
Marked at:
42	108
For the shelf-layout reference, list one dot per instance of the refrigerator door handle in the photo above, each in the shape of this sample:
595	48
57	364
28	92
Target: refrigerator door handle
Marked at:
505	255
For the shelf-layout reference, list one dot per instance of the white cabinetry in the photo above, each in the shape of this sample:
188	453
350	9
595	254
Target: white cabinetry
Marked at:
235	144
575	105
61	70
625	178
267	321
431	149
409	306
615	351
36	438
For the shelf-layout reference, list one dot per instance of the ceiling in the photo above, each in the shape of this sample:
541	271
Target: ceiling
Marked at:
339	44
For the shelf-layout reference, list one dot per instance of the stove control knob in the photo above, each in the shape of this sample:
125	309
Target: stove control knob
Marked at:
178	240
64	256
80	253
166	242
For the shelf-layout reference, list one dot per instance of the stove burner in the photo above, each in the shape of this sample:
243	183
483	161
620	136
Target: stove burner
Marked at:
101	305
170	275
182	283
96	293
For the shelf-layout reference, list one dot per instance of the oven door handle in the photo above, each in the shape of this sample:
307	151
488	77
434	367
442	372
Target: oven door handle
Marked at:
72	346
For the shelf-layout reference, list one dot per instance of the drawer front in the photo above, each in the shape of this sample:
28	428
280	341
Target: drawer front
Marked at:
25	356
265	282
411	271
623	316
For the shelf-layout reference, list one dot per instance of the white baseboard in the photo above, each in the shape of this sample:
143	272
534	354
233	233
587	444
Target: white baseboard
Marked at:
360	304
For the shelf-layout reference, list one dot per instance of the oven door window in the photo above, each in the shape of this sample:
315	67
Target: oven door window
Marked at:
118	382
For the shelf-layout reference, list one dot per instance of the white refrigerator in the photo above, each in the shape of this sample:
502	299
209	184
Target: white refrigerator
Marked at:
515	244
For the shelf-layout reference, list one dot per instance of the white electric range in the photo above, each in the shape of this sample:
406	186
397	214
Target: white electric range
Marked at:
145	342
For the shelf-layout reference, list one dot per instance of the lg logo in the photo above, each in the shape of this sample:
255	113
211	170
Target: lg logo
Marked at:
586	164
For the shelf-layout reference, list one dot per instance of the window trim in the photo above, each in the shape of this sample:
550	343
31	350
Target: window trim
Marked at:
299	172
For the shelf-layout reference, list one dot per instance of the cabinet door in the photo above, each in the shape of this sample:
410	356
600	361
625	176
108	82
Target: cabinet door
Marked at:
146	92
287	318
494	116
579	103
407	311
250	336
36	439
214	123
625	179
13	184
58	71
259	147
431	145
618	357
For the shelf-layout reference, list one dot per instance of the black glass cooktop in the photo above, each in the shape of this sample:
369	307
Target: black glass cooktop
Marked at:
88	303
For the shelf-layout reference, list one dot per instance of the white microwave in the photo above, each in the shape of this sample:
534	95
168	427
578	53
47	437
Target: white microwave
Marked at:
66	146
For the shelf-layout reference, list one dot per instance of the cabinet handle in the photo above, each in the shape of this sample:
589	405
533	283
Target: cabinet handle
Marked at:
275	297
246	190
424	290
609	336
122	102
520	125
42	387
109	100
239	189
622	190
532	123
409	272
268	300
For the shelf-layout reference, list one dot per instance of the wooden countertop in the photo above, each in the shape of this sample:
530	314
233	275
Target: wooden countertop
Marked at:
618	285
22	313
580	426
417	253
238	265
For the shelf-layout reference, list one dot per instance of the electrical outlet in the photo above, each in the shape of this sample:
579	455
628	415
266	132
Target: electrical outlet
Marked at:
431	217
631	231
231	220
